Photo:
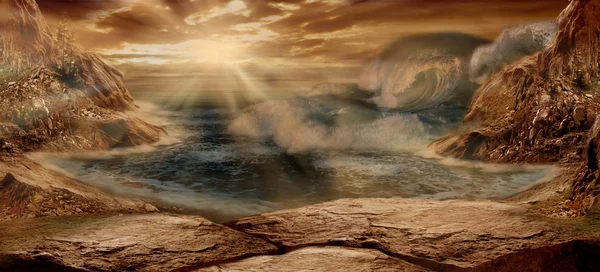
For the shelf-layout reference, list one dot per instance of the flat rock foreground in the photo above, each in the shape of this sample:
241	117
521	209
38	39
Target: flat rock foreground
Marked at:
345	235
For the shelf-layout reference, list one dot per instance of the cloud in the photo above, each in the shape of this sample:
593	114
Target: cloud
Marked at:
302	31
236	7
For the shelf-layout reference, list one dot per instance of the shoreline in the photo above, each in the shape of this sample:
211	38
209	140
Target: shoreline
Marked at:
172	201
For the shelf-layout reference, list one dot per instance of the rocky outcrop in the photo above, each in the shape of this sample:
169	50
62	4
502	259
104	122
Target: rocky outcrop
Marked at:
103	83
19	199
26	42
323	259
585	196
43	114
25	38
541	108
43	111
27	190
40	110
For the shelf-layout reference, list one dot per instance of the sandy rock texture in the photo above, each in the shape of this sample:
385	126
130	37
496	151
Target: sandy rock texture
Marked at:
344	235
321	259
27	190
442	236
125	243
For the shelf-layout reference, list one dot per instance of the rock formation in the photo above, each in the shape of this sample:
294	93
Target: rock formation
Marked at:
125	243
352	234
40	109
541	108
25	37
586	189
27	190
26	41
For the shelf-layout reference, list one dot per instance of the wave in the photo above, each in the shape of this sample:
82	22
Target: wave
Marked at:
303	125
416	89
512	44
423	71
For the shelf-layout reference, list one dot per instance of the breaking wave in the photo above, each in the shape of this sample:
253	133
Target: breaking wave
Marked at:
423	71
303	125
412	93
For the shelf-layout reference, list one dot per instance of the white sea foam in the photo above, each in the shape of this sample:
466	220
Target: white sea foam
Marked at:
300	126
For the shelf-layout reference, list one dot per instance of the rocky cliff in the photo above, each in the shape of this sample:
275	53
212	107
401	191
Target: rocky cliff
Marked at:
41	108
25	38
26	41
540	109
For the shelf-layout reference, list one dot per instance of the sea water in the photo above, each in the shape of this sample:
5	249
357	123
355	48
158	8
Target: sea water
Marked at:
224	163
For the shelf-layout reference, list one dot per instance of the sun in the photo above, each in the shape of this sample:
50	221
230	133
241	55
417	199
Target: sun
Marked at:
215	52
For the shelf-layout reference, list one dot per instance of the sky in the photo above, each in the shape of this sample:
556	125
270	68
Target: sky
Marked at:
273	36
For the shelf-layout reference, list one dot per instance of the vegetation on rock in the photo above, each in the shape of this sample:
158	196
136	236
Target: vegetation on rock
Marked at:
67	66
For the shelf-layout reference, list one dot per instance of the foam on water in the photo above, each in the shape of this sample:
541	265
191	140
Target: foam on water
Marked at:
303	125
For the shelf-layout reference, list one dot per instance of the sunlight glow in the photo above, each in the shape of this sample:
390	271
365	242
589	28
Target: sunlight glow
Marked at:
233	7
217	52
